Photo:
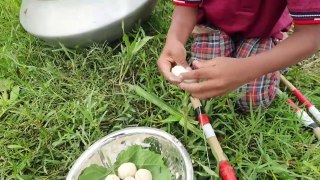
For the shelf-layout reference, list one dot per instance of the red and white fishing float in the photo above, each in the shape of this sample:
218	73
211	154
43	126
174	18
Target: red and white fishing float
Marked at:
302	99
225	170
304	116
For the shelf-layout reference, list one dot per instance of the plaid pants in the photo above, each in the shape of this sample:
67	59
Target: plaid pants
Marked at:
260	92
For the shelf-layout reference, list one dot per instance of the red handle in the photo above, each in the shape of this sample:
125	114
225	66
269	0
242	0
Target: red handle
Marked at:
203	119
227	171
302	98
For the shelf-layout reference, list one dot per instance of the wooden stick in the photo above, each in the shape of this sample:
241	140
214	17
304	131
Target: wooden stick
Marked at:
287	83
301	114
209	132
316	131
302	99
226	171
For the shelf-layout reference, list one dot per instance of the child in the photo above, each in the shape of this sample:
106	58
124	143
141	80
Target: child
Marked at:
234	45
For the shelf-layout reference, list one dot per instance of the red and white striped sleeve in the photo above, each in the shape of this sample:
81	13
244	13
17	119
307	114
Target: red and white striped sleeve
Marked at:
304	11
187	2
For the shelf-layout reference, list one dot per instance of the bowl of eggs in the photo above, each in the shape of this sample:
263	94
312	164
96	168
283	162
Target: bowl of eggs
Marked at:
136	153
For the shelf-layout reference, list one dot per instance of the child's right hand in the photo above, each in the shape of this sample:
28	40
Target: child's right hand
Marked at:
174	53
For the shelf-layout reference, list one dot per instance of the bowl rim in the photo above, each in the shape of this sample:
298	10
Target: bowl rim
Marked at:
88	153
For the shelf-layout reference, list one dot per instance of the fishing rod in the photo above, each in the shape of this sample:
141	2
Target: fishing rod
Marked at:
301	114
302	99
225	170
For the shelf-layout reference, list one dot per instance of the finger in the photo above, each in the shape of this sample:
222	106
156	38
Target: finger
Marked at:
196	88
213	90
164	66
203	90
207	95
197	74
178	54
188	68
203	63
183	63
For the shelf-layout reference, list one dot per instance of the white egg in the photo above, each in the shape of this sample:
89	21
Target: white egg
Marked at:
177	70
129	178
143	174
127	170
112	177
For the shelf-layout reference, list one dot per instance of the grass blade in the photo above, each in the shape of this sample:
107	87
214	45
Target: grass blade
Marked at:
164	106
156	101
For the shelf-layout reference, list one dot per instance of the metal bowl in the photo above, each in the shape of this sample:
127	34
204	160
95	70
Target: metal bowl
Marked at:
81	22
106	150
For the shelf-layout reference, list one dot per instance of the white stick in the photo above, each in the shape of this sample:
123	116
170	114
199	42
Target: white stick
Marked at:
315	112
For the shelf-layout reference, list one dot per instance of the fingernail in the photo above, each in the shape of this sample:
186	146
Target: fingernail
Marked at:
195	62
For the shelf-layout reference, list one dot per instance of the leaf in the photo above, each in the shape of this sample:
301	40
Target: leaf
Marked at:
155	100
161	104
171	119
94	172
208	170
126	41
5	96
145	159
191	127
5	84
140	44
14	93
312	167
14	146
2	102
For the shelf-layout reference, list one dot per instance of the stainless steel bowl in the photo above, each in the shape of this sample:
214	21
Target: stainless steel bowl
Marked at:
81	22
176	156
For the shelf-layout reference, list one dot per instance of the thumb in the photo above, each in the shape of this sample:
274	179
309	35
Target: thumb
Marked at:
203	63
180	59
183	63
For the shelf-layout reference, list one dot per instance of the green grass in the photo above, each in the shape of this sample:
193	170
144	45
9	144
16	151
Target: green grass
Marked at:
55	102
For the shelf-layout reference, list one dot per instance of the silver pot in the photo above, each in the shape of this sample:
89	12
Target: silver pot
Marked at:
106	150
81	22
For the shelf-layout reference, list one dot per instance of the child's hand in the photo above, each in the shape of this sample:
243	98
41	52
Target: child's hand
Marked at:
218	77
174	53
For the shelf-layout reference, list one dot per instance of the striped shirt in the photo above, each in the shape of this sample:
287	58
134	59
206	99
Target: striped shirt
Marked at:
255	18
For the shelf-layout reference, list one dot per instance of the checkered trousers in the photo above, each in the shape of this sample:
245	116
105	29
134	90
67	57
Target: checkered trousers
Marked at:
261	91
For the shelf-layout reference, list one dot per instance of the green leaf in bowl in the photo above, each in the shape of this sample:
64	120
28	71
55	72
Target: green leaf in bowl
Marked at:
145	159
95	172
142	158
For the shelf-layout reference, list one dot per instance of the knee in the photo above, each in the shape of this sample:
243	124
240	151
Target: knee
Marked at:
259	93
255	102
254	98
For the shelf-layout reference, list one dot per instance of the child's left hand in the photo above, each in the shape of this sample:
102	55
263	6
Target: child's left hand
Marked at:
218	76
